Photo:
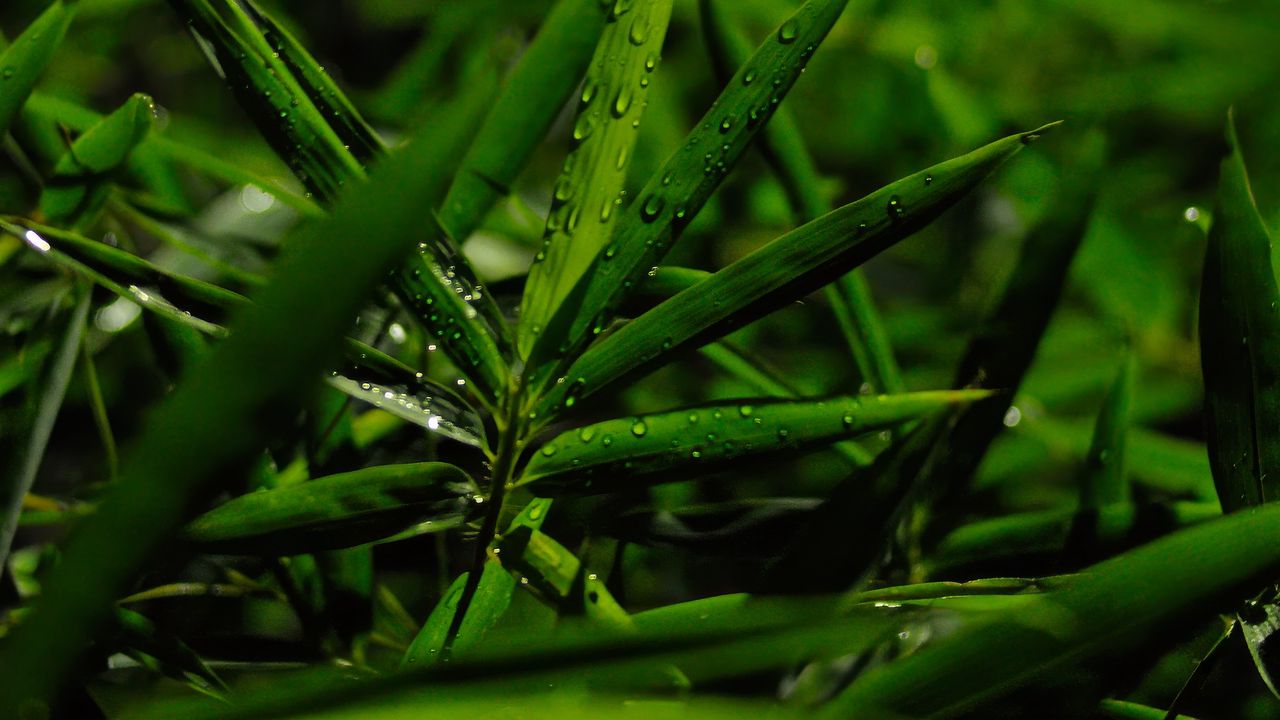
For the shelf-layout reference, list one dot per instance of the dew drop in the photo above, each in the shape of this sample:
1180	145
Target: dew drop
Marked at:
749	77
587	433
789	31
638	428
622	102
745	410
548	450
894	207
652	208
928	179
7	72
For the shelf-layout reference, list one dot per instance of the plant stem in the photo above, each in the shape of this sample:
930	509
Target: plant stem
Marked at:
510	440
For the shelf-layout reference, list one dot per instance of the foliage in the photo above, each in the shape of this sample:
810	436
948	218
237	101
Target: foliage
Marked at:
487	381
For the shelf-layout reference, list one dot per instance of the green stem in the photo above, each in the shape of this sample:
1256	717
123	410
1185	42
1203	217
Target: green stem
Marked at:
510	440
99	410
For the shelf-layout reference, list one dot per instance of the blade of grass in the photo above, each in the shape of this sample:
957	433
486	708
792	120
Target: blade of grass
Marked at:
250	385
676	193
588	197
24	61
782	271
22	470
77	188
665	447
1239	342
783	147
1107	611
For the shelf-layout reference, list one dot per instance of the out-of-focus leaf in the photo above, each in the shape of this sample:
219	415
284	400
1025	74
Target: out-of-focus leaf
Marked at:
171	656
1104	481
675	194
21	469
1107	611
786	269
1125	710
1240	343
24	60
632	452
77	186
251	385
335	511
749	528
588	197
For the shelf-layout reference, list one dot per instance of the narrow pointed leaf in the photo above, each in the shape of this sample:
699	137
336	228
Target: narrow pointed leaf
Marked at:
174	658
278	105
782	271
1108	611
335	511
588	196
632	452
21	470
675	194
320	88
534	93
784	149
24	61
492	597
251	385
1104	481
1240	343
77	185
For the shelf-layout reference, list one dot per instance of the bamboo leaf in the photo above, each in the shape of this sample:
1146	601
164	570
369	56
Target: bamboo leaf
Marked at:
665	447
786	269
21	471
675	194
1105	482
535	91
274	99
76	187
491	599
24	61
335	511
783	147
324	93
588	197
1108	611
1239	342
250	385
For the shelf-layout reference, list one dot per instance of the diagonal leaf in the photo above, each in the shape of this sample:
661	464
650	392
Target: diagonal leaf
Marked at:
783	147
588	197
77	186
784	270
335	511
748	528
320	88
1104	481
274	99
632	452
250	385
1108	611
1240	342
675	194
20	473
535	91
24	61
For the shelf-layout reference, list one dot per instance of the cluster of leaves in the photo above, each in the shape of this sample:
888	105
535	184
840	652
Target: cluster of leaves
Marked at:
464	430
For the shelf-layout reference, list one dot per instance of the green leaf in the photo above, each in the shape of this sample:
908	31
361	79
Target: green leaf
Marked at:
1104	481
24	61
324	93
1110	611
169	655
490	600
782	271
1125	710
588	197
21	471
675	194
665	447
1240	342
1052	537
535	91
274	99
77	186
335	511
251	385
783	147
746	528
